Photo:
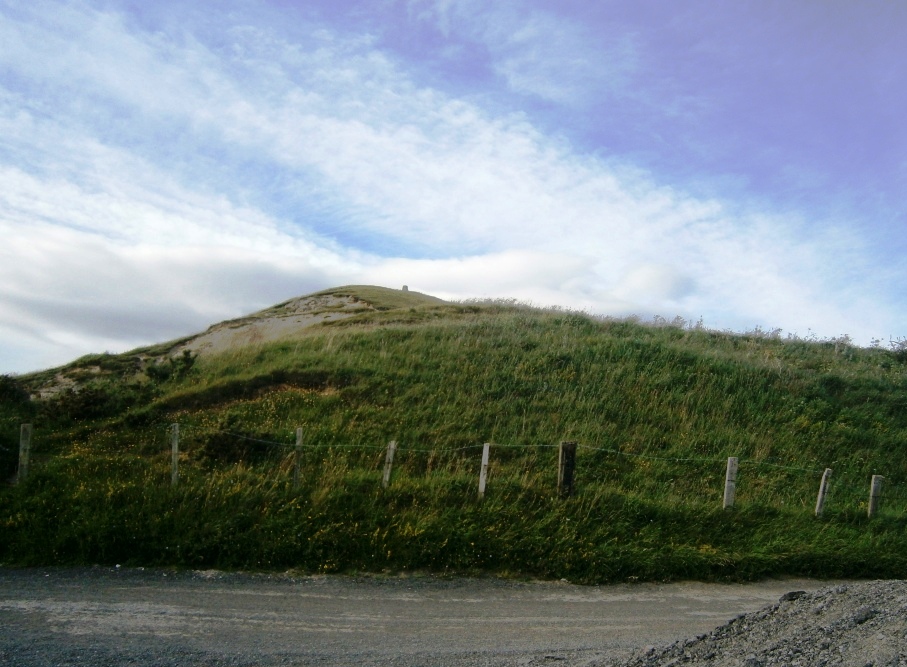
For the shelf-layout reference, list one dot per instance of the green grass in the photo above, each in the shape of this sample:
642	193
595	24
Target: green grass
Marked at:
656	410
382	298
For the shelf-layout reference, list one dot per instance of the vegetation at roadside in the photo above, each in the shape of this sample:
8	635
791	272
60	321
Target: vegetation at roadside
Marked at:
656	410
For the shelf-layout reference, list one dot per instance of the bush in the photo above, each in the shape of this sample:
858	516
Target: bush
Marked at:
172	368
231	444
12	393
899	350
98	400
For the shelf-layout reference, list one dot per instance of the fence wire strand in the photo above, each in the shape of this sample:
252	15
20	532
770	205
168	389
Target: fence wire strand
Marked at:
591	448
848	485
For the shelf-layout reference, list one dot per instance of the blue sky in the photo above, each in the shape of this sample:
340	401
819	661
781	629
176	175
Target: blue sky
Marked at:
167	165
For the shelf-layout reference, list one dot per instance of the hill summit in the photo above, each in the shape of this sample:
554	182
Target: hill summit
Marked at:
292	318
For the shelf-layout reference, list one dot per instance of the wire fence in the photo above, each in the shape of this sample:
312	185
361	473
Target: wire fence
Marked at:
847	486
584	447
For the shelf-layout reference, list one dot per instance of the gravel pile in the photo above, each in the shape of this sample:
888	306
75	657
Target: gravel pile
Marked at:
856	625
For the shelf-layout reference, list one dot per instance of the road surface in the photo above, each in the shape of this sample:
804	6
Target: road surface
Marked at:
119	616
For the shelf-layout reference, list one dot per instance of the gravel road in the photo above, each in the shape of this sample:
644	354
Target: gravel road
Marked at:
143	618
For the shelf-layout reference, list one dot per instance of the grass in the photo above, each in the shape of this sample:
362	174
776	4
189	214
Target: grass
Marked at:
656	410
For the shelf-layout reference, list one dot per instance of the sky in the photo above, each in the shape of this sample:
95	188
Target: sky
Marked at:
168	165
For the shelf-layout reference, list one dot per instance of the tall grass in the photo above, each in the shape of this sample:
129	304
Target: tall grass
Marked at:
656	410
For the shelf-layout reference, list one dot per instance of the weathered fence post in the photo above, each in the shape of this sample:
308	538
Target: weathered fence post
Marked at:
875	492
297	456
566	465
730	482
823	491
483	473
25	433
174	454
389	463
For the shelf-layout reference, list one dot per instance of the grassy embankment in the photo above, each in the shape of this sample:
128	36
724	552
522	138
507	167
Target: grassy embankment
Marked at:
656	411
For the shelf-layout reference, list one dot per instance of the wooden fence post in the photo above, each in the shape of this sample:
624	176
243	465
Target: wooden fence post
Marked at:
25	433
566	465
297	457
823	491
389	463
174	454
483	473
730	482
875	492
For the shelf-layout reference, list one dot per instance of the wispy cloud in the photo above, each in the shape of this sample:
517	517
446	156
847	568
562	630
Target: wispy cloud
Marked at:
154	182
538	52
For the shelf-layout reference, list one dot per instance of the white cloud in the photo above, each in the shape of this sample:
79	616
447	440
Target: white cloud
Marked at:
654	283
540	53
106	231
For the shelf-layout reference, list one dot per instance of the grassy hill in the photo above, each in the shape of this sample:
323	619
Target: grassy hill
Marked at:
656	411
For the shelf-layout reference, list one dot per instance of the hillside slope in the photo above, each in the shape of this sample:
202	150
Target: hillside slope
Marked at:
284	321
656	411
